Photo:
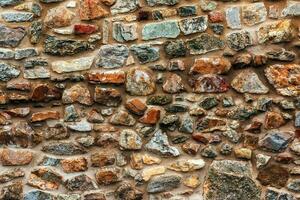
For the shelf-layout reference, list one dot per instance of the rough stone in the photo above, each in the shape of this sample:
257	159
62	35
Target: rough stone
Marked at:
210	65
173	84
44	178
80	183
253	14
124	6
38	195
166	29
11	157
233	17
163	183
136	106
281	55
130	140
58	17
25	53
91	9
77	93
6	54
11	36
175	48
273	120
292	9
193	25
8	72
162	2
145	53
122	118
13	191
9	175
186	11
273	175
124	32
17	16
100	159
63	148
276	141
108	175
81	126
128	192
209	83
239	40
112	56
151	116
107	96
44	115
71	165
5	3
74	65
187	165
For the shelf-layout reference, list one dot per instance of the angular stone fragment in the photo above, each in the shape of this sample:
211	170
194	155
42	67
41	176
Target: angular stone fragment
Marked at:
35	31
122	118
33	7
128	192
292	9
162	2
275	32
108	175
124	6
45	179
11	157
273	120
94	117
64	47
63	148
8	72
58	17
106	77
163	183
247	81
147	173
38	195
6	54
11	36
175	48
151	116
159	144
193	25
233	17
187	165
145	53
276	141
72	165
49	161
124	32
285	78
37	73
80	183
281	55
13	191
230	179
112	56
17	16
78	64
44	115
273	175
94	195
165	29
5	3
99	159
210	65
173	84
140	81
107	96
239	40
204	43
81	126
209	83
77	93
10	175
185	11
136	106
130	140
84	29
91	9
45	92
254	13
25	53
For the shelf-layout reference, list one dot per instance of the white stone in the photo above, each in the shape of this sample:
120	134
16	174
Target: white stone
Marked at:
79	64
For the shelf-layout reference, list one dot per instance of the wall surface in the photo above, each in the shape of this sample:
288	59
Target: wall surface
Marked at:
149	99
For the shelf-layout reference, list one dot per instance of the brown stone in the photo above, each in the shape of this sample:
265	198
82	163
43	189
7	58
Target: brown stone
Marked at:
205	138
136	161
77	93
273	120
122	118
151	116
254	127
91	9
108	175
273	175
106	77
19	84
44	92
17	97
58	17
251	141
212	65
136	106
19	112
284	158
209	83
13	191
11	174
72	165
101	159
81	183
5	118
173	84
15	158
85	28
44	115
45	179
94	116
94	195
190	148
107	96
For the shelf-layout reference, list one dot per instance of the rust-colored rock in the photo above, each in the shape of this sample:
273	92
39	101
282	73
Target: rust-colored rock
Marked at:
44	115
273	120
173	84
108	175
77	93
136	106
91	9
44	92
211	65
15	157
151	116
273	175
101	159
19	84
85	28
72	165
106	77
107	96
18	112
45	179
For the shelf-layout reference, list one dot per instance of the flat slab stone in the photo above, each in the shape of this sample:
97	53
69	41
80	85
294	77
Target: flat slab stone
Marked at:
193	25
8	72
74	65
292	9
254	13
11	37
165	29
233	17
162	2
112	56
124	6
17	16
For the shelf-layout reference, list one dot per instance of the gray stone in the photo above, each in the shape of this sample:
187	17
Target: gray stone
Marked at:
187	124
233	17
297	119
130	140
272	194
124	32
228	179
247	81
209	152
8	72
124	6
68	197
112	56
74	65
165	29
6	54
35	31
145	52
162	2
71	114
49	161
38	195
63	148
4	3
25	53
208	5
254	13
33	7
36	73
163	183
11	37
122	118
175	48
193	25
292	9
17	16
159	144
281	55
35	62
276	141
294	185
185	11
232	135
205	43
217	28
239	40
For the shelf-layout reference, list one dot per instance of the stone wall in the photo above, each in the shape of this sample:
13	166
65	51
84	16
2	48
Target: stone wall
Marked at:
149	99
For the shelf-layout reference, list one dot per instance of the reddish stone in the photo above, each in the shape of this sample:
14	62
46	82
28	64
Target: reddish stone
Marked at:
273	120
15	158
136	106
91	9
3	98
44	115
108	175
205	138
216	16
85	28
18	97
100	159
273	175
45	179
251	141
77	93
18	112
72	165
209	83
151	116
190	148
107	96
5	118
211	65
107	77
43	92
19	84
284	158
254	127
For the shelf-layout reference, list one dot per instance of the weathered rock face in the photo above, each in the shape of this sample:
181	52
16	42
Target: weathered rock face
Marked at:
91	9
112	56
230	179
163	183
211	65
11	37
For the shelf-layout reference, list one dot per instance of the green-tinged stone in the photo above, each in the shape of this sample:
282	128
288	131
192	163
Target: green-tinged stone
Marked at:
159	99
145	53
166	29
175	48
185	11
205	43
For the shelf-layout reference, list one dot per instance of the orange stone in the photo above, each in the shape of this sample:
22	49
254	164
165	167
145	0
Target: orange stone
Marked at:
136	106
72	165
108	77
212	65
15	158
273	120
44	115
91	9
151	116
